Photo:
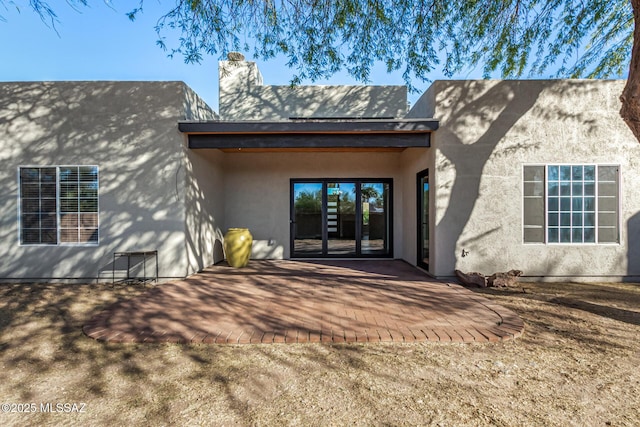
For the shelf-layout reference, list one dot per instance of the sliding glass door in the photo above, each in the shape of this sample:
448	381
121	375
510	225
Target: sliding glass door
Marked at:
341	218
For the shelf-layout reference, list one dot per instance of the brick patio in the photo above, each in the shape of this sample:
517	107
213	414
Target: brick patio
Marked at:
306	302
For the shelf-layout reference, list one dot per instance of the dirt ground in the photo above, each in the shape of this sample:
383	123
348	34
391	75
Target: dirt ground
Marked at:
577	364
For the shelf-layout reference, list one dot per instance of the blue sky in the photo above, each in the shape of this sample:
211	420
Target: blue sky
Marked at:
101	43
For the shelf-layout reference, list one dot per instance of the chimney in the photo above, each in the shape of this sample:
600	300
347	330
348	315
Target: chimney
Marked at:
237	79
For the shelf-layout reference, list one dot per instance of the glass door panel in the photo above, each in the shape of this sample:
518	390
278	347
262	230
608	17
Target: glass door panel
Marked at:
423	219
307	218
341	218
375	218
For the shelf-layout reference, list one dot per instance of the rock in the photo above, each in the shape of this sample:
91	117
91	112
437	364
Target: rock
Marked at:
472	279
503	280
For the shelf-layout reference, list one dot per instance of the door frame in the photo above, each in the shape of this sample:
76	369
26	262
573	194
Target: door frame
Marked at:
419	210
358	231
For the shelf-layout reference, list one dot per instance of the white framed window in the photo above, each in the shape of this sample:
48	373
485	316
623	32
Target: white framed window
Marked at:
58	205
571	203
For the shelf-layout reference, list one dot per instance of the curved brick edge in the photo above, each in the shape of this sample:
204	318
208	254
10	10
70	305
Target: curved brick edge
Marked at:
510	329
510	326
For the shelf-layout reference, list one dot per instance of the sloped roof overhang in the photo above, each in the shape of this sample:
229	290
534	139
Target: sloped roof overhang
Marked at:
310	134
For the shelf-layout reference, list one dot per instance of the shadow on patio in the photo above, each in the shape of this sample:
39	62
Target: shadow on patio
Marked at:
302	302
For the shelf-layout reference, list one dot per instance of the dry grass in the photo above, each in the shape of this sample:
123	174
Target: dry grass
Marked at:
577	364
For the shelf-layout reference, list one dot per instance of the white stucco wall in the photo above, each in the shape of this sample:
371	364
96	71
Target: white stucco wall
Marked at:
257	190
129	130
488	131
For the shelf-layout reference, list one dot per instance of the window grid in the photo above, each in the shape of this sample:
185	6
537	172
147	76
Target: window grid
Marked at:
59	205
571	204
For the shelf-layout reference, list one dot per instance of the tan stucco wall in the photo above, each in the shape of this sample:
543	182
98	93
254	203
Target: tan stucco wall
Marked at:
257	190
243	96
488	131
204	208
128	129
204	195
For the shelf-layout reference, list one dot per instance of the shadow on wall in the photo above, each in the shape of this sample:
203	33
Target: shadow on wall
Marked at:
244	97
475	117
129	130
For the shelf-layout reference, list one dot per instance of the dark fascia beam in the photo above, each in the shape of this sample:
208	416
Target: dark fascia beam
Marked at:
310	141
371	126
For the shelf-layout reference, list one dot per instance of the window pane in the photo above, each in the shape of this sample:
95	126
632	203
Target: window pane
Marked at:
565	204
565	188
577	235
534	235
577	219
48	191
607	235
88	205
69	236
89	220
68	174
30	205
589	219
89	190
589	235
577	204
88	174
49	237
48	175
553	234
48	205
607	173
576	189
553	204
589	189
30	175
553	174
30	236
565	235
576	173
48	220
606	219
565	173
565	219
590	173
589	204
68	189
89	235
534	173
30	190
607	204
553	219
30	220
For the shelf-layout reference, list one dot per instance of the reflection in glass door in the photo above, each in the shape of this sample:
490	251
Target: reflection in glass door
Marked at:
375	216
307	218
423	218
341	218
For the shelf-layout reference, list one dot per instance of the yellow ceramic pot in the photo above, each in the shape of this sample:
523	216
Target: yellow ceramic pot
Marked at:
237	246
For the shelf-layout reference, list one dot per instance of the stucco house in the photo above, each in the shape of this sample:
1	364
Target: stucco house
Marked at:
487	176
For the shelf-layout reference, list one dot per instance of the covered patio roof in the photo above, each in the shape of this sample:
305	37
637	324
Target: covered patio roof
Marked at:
310	134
